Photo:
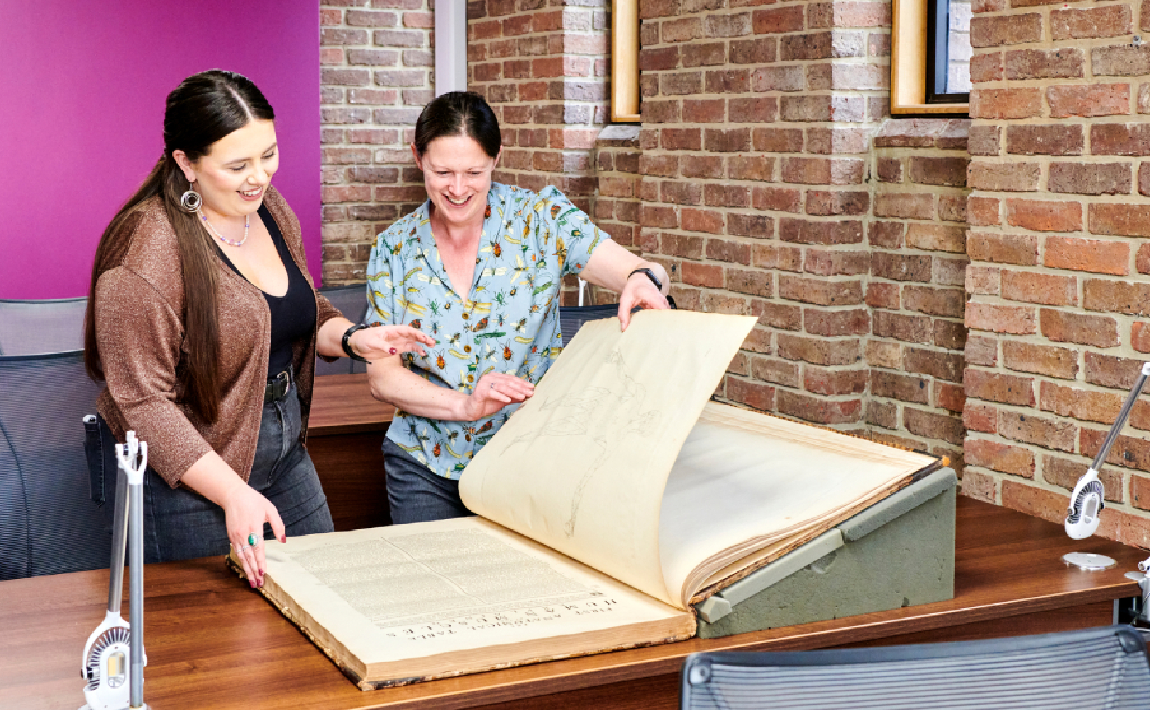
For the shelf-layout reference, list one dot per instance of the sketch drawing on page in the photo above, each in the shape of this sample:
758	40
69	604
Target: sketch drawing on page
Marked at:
599	417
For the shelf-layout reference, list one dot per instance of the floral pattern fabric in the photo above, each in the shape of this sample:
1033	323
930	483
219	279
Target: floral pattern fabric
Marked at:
508	322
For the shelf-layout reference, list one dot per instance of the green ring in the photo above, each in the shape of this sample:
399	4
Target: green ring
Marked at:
253	540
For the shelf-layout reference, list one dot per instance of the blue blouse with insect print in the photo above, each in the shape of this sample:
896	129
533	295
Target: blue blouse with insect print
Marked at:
509	322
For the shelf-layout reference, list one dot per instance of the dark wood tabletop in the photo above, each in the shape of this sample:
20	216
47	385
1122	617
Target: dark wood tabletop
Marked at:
214	643
342	404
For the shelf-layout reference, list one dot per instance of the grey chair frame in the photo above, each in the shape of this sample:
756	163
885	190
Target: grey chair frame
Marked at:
1087	669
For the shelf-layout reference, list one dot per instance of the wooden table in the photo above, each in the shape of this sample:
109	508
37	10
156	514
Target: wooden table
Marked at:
214	643
344	435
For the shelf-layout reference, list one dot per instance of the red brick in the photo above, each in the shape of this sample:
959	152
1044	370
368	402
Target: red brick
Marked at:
779	372
1078	403
902	387
1036	502
820	291
1116	296
1044	64
839	202
855	321
819	351
901	267
1062	327
1094	255
837	15
1120	139
1088	23
998	387
1033	429
980	417
886	235
944	366
882	295
720	140
986	67
1037	287
819	410
749	167
984	140
999	457
982	211
1125	220
1045	140
779	199
902	326
926	170
1005	103
822	171
1010	177
905	205
709	222
949	397
1127	451
984	280
836	262
820	232
750	225
1019	320
777	20
946	302
1019	249
1005	30
682	138
883	414
697	55
936	237
1140	337
784	316
1044	215
1090	179
933	425
750	393
949	334
834	382
1086	101
777	140
756	283
1040	359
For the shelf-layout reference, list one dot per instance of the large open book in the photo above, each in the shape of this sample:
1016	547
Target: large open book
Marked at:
611	502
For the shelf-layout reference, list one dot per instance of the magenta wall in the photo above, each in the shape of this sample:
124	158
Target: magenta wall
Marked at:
82	88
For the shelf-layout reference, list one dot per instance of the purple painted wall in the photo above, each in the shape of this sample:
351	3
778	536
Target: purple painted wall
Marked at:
82	89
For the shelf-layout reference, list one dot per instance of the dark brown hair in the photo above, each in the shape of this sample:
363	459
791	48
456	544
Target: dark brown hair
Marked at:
203	109
458	113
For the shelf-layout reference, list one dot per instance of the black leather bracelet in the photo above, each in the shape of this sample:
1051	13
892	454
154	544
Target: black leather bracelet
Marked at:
655	280
347	345
650	274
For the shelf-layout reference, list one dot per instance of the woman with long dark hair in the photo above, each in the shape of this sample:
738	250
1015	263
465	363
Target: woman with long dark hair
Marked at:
478	266
203	321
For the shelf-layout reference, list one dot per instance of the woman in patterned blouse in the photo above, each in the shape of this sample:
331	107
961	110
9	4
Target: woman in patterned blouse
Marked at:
478	266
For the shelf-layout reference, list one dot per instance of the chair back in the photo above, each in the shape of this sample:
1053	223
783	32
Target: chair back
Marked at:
39	327
48	522
1104	667
352	303
572	318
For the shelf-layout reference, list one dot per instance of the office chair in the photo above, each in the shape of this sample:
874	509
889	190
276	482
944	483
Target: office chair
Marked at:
352	303
44	326
1104	667
48	522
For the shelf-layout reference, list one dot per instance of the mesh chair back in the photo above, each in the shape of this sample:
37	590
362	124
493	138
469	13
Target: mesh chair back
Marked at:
1097	668
39	327
352	303
48	522
572	318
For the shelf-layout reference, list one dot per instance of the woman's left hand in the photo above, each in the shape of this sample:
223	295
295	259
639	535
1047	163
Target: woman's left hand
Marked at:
387	340
639	291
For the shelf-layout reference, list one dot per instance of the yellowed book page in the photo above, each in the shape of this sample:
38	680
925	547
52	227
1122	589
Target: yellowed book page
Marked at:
582	465
454	596
745	480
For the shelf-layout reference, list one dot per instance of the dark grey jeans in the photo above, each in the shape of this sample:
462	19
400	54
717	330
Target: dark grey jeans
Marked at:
181	524
415	493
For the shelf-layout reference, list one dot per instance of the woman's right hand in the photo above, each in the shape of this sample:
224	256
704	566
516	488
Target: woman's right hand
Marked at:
246	511
493	392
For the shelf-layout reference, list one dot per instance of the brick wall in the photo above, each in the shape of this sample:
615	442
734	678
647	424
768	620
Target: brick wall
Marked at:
756	131
1059	295
917	244
376	65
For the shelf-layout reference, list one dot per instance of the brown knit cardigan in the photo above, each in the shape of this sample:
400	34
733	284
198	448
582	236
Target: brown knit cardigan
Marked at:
140	331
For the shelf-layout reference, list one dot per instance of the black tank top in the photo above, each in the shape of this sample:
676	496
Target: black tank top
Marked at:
293	314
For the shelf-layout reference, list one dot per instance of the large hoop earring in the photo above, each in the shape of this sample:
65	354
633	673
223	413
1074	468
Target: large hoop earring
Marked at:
190	201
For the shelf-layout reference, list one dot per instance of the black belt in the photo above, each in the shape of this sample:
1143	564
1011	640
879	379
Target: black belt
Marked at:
278	386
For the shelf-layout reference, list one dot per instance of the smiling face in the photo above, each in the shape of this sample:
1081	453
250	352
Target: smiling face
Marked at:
234	175
457	175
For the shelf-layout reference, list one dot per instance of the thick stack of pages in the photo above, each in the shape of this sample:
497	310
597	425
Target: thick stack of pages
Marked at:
612	501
